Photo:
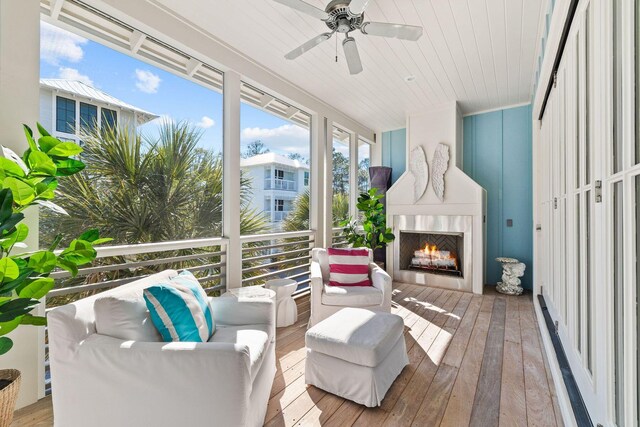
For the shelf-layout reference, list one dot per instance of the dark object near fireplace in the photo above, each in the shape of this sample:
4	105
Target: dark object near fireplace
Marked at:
380	178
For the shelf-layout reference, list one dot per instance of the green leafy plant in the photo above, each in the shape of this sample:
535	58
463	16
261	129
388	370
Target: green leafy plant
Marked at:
373	232
31	180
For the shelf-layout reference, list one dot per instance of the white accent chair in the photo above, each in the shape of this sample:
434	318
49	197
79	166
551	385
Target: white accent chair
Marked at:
100	380
327	300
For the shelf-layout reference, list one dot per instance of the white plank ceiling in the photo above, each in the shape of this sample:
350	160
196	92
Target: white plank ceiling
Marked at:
481	53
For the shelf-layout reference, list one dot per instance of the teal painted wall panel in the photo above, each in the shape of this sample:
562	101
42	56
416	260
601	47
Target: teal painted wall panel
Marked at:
486	162
497	155
394	152
518	187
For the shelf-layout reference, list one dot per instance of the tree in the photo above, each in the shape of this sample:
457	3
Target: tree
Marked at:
139	190
363	175
340	173
298	218
255	148
299	157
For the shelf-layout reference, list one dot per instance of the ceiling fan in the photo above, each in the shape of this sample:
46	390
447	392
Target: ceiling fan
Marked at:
345	16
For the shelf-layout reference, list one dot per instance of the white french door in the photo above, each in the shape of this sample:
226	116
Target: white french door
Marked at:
588	192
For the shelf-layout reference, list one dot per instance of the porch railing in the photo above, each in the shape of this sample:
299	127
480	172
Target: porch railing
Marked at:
277	256
280	184
338	238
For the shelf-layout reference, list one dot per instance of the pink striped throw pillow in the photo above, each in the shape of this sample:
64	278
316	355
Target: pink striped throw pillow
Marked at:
349	267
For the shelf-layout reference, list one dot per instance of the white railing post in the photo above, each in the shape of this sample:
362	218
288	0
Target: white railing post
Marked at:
231	187
353	175
327	184
317	177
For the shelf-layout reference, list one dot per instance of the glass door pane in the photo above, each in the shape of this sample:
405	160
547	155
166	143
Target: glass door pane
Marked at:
617	227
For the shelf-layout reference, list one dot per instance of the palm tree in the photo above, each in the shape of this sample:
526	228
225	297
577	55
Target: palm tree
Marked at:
141	190
298	218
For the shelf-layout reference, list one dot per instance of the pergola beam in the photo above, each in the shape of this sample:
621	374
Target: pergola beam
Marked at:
136	40
56	8
193	65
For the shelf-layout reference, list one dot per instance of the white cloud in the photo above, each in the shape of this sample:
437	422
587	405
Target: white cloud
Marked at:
73	74
283	140
206	122
58	45
282	131
146	81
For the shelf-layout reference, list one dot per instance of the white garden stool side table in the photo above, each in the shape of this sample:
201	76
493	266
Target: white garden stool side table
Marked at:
286	308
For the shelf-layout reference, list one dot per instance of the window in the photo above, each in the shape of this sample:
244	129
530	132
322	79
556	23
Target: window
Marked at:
341	181
109	118
88	116
65	115
275	148
174	142
364	161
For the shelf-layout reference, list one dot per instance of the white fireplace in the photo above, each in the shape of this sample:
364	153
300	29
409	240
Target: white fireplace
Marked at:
438	243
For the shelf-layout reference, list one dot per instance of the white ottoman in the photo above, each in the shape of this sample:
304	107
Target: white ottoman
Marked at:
356	354
286	308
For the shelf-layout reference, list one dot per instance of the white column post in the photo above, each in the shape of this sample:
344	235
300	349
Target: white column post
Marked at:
19	103
231	185
353	174
328	183
317	187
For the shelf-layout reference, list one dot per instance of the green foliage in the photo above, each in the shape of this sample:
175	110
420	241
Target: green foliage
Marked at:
373	232
30	180
138	189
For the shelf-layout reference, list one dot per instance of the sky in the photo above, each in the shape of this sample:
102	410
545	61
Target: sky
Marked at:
69	56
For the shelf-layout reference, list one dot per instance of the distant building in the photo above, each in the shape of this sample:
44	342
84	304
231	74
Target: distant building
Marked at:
68	105
277	181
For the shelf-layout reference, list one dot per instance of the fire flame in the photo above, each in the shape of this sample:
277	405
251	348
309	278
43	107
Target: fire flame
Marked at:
433	252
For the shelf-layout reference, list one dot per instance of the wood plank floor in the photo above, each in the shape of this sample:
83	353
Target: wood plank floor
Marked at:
474	361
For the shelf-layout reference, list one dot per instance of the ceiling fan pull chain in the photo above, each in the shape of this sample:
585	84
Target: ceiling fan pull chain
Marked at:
336	50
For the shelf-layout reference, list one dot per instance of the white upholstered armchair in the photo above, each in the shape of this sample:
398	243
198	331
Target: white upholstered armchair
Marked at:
327	300
104	381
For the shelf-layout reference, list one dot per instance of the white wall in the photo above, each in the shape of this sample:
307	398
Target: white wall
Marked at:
19	101
463	196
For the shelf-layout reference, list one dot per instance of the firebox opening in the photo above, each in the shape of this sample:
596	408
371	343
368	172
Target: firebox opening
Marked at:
436	253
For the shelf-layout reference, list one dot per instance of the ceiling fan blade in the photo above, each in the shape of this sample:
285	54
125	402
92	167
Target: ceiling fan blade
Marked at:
352	55
308	45
303	7
398	31
356	7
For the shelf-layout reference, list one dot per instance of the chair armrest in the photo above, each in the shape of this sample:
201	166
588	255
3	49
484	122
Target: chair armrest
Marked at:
381	280
317	282
256	311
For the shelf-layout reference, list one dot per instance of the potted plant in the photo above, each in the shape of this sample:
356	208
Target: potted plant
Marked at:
372	231
31	180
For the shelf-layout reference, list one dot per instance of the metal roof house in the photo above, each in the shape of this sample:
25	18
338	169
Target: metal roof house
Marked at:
66	105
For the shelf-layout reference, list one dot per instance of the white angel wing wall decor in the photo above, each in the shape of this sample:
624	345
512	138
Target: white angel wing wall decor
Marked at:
420	170
439	166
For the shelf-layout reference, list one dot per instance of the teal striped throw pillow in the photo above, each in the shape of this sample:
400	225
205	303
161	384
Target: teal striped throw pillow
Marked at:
180	309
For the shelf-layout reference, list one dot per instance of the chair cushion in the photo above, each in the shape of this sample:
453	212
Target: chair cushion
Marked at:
122	313
180	309
356	335
349	267
351	296
125	317
255	337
